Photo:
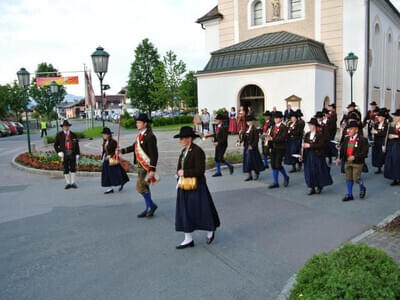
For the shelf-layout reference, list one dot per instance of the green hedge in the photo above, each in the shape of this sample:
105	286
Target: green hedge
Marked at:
130	123
352	272
234	157
88	133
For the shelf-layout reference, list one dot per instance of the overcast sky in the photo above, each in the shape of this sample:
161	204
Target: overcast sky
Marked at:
65	33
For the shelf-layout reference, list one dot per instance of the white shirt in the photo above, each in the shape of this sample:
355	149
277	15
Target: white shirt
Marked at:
380	126
312	135
142	132
353	138
248	130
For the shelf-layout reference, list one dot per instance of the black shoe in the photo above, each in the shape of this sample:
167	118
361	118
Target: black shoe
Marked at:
300	166
311	192
273	186
210	240
286	182
249	178
74	186
67	187
318	190
363	192
121	187
109	192
379	171
143	214
151	211
394	182
217	175
191	245
231	170
293	170
347	198
257	176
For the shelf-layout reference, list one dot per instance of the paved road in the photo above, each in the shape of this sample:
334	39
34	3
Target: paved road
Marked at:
81	244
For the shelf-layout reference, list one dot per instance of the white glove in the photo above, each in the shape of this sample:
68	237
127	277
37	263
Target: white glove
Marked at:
77	157
60	154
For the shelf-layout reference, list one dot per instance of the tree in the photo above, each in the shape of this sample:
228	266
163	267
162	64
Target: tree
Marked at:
18	101
4	101
188	90
143	82
45	100
159	93
174	71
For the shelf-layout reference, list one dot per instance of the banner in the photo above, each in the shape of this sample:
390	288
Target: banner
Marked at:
90	97
43	81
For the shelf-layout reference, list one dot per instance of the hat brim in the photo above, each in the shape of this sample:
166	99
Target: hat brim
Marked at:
69	125
178	136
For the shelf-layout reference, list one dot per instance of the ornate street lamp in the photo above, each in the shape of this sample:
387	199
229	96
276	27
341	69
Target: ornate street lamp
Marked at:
54	91
23	80
351	61
100	66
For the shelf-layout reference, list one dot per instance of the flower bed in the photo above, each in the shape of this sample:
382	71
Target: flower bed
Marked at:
51	161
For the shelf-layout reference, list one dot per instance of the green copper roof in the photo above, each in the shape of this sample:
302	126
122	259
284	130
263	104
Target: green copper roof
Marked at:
272	49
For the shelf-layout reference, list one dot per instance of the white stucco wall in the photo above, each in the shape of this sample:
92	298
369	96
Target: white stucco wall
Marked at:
310	83
211	35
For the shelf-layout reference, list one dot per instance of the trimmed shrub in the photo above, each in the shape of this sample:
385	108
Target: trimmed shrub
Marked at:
234	157
130	123
351	272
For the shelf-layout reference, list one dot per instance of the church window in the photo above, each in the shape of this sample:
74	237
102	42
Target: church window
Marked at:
257	13
389	62
295	9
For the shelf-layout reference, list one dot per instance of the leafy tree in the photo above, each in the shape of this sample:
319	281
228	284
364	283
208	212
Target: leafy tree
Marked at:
142	78
175	71
188	90
18	101
4	100
159	93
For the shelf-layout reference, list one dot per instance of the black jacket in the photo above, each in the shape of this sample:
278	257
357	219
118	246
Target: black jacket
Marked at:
149	145
317	144
59	144
295	133
251	138
279	141
110	148
221	137
381	132
360	150
392	130
194	163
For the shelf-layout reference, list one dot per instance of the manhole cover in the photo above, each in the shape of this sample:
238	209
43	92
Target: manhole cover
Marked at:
13	188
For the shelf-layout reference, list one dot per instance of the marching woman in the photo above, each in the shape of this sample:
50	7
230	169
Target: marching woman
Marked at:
251	155
266	130
379	134
392	161
195	209
112	173
241	120
293	146
316	172
232	121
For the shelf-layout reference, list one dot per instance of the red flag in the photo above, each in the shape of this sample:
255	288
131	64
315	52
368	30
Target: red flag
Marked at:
90	97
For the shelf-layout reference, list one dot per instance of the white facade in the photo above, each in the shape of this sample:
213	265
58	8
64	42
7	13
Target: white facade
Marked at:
211	35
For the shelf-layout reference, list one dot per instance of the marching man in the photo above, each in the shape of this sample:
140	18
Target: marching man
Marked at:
145	159
67	147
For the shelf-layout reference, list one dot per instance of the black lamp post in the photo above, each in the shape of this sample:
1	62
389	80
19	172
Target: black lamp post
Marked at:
100	65
351	61
23	80
54	91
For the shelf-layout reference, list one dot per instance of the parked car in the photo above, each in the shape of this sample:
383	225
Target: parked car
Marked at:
19	126
13	129
5	130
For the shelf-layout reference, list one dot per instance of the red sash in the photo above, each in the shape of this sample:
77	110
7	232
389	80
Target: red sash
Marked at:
142	157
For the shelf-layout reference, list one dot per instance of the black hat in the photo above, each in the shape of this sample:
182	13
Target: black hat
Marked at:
278	114
219	117
382	113
353	124
314	122
106	130
250	118
144	118
373	103
332	105
354	116
293	114
299	113
352	104
319	115
396	113
66	123
185	132
268	113
325	111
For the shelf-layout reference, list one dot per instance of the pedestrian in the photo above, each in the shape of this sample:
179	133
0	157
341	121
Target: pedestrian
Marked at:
371	118
251	155
241	120
354	151
351	108
316	171
266	130
67	146
232	121
225	114
379	135
288	112
112	173
332	112
331	127
145	153
213	120
43	128
205	118
278	140
221	144
294	139
197	123
392	160
195	209
250	112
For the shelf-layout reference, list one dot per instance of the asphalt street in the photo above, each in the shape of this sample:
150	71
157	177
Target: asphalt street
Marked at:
82	244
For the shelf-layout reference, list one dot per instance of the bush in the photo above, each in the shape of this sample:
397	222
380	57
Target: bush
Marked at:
352	272
235	157
130	123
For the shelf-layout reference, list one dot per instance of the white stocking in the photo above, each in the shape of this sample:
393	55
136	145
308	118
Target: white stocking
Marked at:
67	178
188	239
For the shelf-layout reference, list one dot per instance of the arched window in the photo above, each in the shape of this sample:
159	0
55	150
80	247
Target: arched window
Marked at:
295	9
389	62
377	56
257	13
398	67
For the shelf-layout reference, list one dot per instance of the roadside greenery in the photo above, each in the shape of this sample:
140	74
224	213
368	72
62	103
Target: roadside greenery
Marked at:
86	134
130	123
234	157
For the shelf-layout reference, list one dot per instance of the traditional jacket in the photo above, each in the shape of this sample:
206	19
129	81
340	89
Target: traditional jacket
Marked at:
279	137
109	148
394	130
251	138
360	151
295	132
381	131
370	118
194	163
221	136
61	143
317	144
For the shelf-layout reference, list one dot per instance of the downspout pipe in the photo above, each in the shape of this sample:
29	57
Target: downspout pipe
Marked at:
367	55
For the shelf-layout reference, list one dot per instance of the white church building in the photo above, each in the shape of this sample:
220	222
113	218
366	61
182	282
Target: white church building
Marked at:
267	53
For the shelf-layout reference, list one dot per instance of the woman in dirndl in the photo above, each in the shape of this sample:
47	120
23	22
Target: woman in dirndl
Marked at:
233	128
379	134
392	161
293	146
317	174
241	120
111	175
195	209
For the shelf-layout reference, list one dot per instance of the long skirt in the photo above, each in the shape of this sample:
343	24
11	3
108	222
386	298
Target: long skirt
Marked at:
195	210
292	147
331	150
378	156
233	128
392	162
316	171
241	125
252	161
113	175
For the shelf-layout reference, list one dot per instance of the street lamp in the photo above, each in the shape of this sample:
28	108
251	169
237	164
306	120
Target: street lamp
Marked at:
100	65
23	80
351	61
54	91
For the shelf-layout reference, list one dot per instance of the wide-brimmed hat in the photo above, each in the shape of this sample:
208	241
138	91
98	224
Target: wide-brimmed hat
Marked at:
66	123
352	104
250	118
353	124
313	121
219	117
278	114
373	103
294	114
325	111
267	113
319	115
332	105
144	118
106	130
299	113
382	113
185	132
396	113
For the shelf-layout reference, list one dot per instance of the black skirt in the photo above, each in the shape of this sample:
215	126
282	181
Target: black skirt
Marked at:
113	175
331	150
252	161
378	156
316	171
195	210
392	162
292	147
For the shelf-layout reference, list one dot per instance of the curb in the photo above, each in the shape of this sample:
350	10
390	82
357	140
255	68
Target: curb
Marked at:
292	280
52	173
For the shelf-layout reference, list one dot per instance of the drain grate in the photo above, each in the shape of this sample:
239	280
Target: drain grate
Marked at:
13	188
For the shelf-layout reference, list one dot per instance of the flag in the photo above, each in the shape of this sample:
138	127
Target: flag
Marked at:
90	97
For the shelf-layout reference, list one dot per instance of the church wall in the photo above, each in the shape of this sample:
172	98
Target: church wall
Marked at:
227	26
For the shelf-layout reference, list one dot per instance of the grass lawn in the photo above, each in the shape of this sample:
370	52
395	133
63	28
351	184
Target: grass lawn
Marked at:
92	132
174	127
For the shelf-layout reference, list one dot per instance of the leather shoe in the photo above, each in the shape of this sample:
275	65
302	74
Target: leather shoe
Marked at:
67	187
257	176
363	192
191	244
249	178
121	187
231	170
318	190
151	211
394	182
109	192
217	175
273	186
293	170
210	240
378	172
74	186
143	214
311	192
347	198
286	182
